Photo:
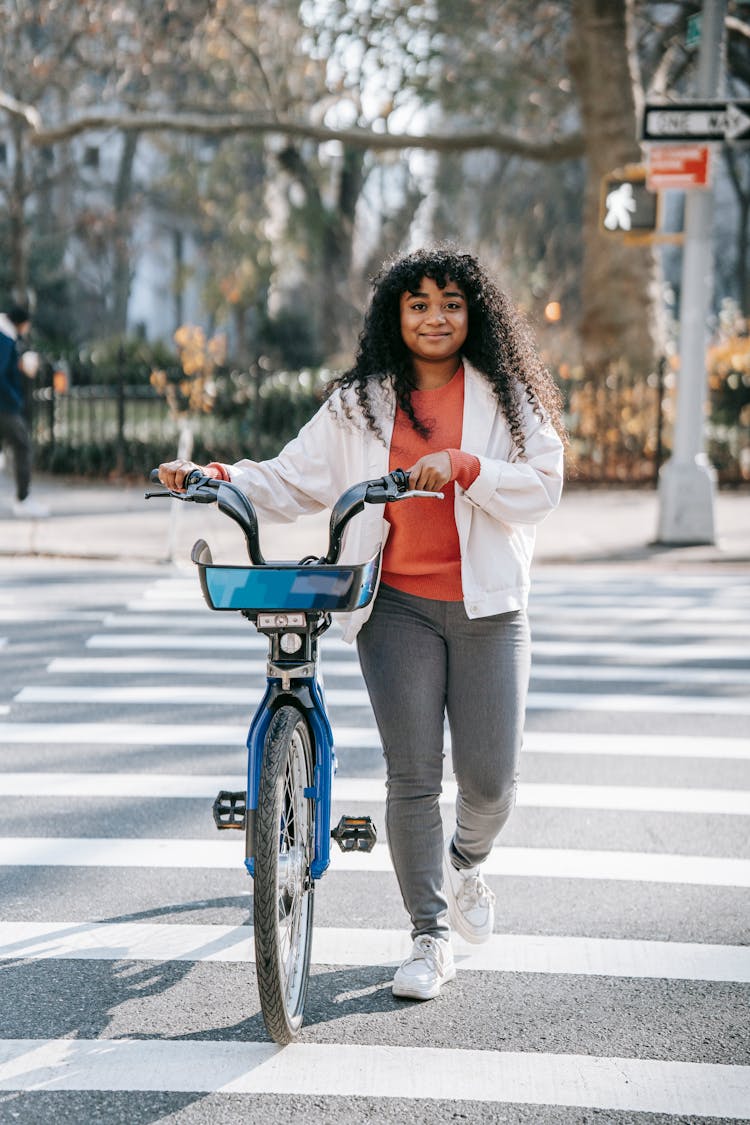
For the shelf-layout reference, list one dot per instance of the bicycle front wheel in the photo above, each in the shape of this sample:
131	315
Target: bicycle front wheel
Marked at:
283	887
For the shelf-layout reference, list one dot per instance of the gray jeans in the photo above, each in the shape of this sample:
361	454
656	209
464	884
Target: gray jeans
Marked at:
421	660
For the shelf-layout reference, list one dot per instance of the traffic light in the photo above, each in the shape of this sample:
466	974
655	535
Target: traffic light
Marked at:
627	207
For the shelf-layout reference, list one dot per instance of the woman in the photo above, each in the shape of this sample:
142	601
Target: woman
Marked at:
446	383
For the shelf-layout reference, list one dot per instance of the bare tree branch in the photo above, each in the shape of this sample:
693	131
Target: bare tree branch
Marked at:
15	108
734	24
661	78
561	148
250	50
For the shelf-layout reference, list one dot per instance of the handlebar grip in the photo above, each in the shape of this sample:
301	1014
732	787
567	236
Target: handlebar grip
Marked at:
192	477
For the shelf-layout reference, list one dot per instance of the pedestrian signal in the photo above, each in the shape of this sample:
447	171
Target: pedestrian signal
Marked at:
627	206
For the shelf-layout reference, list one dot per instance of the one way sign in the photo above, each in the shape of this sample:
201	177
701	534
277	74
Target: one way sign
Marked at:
697	121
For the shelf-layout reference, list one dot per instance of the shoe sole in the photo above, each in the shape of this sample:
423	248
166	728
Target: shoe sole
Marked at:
403	992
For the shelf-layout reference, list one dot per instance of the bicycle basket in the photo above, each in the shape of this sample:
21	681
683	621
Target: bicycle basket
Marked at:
338	588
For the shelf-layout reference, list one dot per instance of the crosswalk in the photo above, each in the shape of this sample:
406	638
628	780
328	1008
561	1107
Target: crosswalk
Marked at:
618	980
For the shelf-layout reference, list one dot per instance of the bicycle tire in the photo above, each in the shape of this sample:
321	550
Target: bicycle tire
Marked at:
283	891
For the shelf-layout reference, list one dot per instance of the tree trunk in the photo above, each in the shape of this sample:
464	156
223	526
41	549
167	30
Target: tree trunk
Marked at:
743	206
619	289
337	314
122	273
330	237
19	257
743	278
178	246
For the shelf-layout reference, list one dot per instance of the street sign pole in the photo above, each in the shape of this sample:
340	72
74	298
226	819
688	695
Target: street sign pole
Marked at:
687	483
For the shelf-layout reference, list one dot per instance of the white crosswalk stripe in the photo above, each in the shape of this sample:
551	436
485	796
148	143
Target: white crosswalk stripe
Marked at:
675	649
528	863
634	1085
347	738
632	798
146	617
153	666
201	695
575	617
503	953
636	652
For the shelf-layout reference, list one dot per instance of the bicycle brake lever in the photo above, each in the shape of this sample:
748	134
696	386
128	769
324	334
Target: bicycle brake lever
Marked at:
419	492
398	480
153	476
200	489
390	487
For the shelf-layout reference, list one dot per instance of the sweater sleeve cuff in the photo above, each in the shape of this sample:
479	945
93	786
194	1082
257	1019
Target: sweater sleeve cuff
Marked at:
218	471
464	467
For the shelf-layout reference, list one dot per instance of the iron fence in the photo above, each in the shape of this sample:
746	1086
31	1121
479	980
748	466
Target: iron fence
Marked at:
97	430
616	436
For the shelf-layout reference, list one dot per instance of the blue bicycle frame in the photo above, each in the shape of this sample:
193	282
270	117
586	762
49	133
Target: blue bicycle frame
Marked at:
307	698
299	598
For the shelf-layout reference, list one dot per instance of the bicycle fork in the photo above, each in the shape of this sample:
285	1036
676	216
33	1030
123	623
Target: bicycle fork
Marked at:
294	684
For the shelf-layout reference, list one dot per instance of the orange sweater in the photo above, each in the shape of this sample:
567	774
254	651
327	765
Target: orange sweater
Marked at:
422	555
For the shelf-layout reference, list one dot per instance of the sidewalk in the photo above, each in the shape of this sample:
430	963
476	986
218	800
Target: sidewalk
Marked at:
112	521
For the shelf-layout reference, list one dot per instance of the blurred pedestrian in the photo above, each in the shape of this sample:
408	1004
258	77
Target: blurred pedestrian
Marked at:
16	365
446	381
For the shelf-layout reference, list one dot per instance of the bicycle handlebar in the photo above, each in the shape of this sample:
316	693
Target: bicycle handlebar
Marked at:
383	490
235	504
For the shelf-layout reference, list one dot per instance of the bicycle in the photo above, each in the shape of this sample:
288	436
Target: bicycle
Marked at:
285	811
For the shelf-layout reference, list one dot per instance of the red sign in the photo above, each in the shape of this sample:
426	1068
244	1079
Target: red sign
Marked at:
678	166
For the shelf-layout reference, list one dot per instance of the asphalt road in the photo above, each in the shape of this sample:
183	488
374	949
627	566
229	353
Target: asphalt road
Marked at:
615	988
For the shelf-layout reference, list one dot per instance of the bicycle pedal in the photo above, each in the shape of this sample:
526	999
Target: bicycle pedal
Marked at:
355	834
229	809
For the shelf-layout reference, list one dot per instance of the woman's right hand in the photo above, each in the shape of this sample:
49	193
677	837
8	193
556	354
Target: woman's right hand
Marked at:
172	473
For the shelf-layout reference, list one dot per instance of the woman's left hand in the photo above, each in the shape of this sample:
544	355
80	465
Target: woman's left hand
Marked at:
432	472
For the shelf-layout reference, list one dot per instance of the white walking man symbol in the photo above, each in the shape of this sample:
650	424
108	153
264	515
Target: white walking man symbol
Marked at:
621	205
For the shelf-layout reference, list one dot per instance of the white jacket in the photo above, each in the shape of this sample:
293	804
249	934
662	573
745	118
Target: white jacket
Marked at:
495	517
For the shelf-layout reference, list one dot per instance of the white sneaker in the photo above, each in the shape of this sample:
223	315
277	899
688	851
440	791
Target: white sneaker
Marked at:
30	509
471	903
425	970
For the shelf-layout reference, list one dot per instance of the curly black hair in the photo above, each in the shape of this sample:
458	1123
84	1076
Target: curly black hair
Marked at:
498	343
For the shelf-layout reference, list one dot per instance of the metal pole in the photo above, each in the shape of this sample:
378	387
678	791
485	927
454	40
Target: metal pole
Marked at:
687	482
120	444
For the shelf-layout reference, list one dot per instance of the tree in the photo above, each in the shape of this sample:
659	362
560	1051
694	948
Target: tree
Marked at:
234	71
619	294
55	59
